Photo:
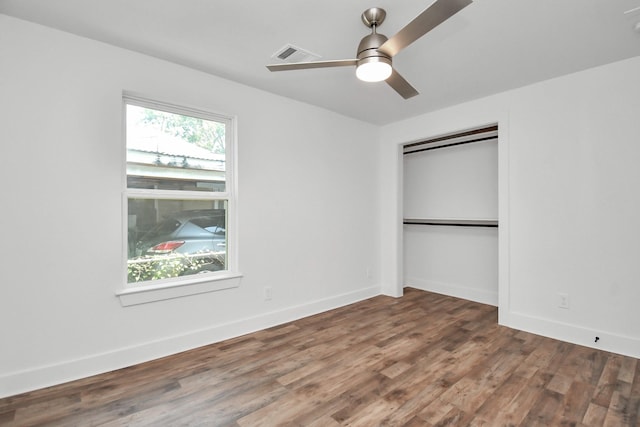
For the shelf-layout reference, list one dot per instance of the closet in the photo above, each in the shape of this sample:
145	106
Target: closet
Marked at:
450	193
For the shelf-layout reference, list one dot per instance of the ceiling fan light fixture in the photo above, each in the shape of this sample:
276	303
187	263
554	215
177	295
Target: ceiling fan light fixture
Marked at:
373	69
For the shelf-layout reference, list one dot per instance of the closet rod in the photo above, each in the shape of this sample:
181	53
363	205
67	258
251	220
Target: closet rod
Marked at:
452	222
475	135
453	144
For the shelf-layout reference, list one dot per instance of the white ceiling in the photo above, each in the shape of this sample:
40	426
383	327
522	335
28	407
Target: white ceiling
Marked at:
489	47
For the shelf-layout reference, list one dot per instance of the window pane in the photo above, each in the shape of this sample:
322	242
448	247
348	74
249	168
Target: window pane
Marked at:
172	238
171	151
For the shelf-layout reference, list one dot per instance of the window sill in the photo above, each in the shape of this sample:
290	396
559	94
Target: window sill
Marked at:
175	289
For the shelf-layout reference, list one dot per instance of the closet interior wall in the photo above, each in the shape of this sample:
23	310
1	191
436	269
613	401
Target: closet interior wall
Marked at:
450	211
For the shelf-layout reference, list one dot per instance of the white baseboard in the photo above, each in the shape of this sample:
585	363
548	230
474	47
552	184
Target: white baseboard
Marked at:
615	343
45	376
454	290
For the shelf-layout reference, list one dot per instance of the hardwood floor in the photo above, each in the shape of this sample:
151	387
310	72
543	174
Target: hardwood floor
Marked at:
421	360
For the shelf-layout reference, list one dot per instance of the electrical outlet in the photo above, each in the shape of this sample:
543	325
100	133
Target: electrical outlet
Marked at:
563	300
367	272
268	293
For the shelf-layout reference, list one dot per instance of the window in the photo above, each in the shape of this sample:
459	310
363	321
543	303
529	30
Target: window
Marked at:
179	194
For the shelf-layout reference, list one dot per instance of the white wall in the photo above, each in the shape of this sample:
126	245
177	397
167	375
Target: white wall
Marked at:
455	261
569	189
307	214
452	182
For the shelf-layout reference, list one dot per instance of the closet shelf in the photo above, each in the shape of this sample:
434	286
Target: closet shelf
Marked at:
452	222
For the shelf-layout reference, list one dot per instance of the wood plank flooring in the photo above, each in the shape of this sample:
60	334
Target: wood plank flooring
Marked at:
420	360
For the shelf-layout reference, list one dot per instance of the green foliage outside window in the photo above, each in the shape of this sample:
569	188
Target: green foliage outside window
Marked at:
173	265
203	133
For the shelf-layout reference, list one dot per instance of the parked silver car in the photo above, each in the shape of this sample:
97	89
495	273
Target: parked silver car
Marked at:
198	234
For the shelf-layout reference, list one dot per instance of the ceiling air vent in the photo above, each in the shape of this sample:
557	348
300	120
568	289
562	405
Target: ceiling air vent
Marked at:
290	54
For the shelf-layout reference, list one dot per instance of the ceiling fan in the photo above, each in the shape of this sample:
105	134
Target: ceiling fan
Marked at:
375	51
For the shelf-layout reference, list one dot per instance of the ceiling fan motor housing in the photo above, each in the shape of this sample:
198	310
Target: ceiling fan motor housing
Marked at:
368	49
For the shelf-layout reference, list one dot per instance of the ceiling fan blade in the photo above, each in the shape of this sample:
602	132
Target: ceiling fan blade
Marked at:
312	64
431	17
400	85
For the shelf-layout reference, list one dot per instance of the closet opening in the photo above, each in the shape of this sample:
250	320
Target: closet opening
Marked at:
450	214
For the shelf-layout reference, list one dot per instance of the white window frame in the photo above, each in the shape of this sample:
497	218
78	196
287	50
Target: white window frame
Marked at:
162	289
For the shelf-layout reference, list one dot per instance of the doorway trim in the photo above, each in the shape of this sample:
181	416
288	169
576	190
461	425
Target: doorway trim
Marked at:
391	202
